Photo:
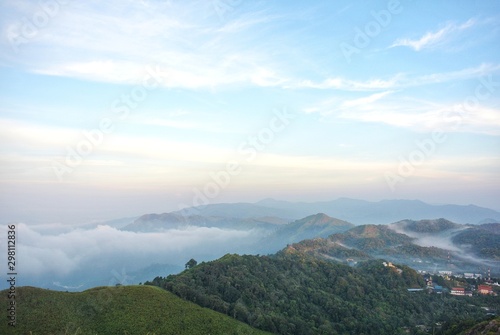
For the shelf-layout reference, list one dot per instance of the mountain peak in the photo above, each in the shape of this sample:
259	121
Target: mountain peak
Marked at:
321	219
319	216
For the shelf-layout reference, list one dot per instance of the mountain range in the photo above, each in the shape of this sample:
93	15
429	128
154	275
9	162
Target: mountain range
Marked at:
427	244
166	221
265	227
351	210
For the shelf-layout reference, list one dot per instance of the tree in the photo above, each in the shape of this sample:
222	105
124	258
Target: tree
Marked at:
191	263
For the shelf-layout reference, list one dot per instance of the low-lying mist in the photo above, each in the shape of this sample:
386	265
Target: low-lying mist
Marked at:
81	258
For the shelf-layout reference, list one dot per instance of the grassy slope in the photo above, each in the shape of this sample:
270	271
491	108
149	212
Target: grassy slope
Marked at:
114	310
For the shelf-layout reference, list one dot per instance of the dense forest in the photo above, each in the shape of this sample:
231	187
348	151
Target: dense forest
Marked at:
295	293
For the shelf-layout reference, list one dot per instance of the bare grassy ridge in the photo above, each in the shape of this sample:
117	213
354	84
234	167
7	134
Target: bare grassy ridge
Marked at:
114	310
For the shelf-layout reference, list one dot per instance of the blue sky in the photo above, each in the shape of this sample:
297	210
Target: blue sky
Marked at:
244	100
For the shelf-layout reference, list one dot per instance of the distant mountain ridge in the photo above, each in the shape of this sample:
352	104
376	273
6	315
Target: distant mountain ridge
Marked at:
268	213
352	210
165	221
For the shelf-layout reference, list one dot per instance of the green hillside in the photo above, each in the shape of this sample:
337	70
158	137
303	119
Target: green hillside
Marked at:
480	241
325	248
133	310
296	293
319	225
371	238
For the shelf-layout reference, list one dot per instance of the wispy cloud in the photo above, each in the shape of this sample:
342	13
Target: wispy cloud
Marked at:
399	80
434	38
365	101
344	84
450	118
399	110
187	41
169	123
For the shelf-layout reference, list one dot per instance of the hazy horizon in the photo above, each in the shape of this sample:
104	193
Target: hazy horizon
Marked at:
76	218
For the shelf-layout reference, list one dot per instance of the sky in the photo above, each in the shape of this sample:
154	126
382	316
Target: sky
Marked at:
120	108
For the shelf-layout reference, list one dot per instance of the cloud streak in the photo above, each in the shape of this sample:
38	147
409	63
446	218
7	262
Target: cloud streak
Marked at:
433	39
397	81
452	118
396	106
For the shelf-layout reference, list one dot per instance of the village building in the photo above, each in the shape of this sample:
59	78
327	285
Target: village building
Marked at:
485	289
457	291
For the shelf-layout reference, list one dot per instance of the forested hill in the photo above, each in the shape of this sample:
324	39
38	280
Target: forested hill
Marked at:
294	293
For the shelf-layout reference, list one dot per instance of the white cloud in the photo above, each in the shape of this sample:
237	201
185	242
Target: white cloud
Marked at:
365	101
397	81
169	123
347	84
60	255
433	39
442	77
417	115
99	70
453	118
